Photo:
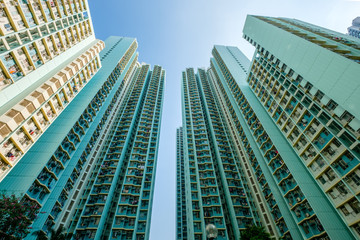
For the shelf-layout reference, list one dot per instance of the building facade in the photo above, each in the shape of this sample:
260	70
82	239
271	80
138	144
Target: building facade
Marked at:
93	170
277	136
354	29
215	190
79	128
181	228
48	53
310	92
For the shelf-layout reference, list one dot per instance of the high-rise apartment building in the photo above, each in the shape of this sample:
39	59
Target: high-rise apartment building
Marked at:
354	29
48	53
93	170
216	190
278	137
79	129
181	228
310	91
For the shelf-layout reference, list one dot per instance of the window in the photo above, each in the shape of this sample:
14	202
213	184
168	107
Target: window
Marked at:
357	228
343	164
332	194
319	94
330	174
355	178
322	180
341	188
331	105
345	211
355	205
308	86
291	72
347	116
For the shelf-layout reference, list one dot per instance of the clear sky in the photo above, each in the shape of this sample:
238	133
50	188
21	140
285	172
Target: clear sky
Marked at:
181	33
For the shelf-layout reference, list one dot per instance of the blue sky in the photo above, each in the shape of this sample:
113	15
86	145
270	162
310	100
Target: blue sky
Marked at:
181	33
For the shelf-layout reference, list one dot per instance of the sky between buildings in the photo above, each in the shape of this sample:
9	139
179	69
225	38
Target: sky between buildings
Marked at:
177	34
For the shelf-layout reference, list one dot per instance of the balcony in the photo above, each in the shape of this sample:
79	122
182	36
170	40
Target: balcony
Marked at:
312	227
303	211
73	138
306	119
41	120
34	55
98	199
328	178
23	60
294	197
273	107
276	213
37	192
55	211
282	227
116	234
268	103
282	119
5	24
4	167
297	113
32	129
267	192
209	191
294	135
92	222
22	138
301	144
46	179
47	11
350	211
61	156
276	163
282	173
353	180
49	223
262	139
129	211
323	139
290	107
288	184
105	180
97	210
311	131
333	150
4	81
11	153
309	153
12	67
68	146
288	126
12	41
318	165
258	132
346	163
